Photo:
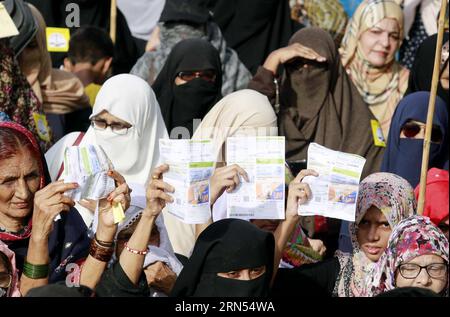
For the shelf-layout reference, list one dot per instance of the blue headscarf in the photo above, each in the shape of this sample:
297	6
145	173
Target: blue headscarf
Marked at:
404	156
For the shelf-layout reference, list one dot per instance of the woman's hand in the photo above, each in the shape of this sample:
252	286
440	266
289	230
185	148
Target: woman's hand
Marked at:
317	246
49	202
225	178
160	277
285	54
299	193
156	193
121	194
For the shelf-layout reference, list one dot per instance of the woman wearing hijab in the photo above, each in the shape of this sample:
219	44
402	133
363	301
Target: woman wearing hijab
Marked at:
436	198
318	102
9	278
384	200
403	155
188	85
231	258
43	247
245	111
17	99
422	69
126	122
416	256
368	49
59	92
183	19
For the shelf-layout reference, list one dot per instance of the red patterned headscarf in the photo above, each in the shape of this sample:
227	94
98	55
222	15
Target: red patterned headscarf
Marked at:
5	236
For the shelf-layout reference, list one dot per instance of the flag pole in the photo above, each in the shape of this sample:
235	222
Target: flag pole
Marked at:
113	21
431	105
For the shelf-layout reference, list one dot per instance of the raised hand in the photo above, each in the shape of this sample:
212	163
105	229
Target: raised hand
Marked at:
288	53
156	195
49	202
225	178
121	194
299	193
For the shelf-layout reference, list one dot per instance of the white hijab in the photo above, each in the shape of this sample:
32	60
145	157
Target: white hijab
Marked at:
134	154
244	112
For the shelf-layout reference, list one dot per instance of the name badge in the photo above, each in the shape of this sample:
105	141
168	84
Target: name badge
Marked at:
41	126
377	133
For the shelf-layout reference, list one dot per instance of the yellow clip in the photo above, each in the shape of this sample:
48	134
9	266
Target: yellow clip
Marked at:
118	213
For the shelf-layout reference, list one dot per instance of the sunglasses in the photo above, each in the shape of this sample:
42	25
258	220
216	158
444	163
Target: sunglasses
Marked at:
207	75
411	129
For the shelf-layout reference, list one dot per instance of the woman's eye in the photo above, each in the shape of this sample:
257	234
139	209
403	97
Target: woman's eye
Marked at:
233	274
8	183
385	225
32	176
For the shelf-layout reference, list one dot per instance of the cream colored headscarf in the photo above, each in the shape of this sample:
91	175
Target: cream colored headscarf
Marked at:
59	91
381	87
244	112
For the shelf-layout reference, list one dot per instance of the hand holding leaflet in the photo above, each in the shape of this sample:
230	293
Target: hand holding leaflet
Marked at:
262	158
191	165
335	190
88	166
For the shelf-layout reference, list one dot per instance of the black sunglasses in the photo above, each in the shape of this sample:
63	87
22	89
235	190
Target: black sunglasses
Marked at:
411	129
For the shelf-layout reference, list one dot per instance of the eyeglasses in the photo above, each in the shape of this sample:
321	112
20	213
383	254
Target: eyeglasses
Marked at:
208	75
411	129
116	128
434	270
5	279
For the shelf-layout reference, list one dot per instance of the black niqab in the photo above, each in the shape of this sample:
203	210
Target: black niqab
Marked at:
227	245
181	104
422	71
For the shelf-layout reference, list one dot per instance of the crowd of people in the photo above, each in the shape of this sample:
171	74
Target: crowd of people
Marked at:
354	78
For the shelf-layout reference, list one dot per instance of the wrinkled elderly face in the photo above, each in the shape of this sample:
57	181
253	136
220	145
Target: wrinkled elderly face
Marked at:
434	277
19	181
373	233
379	43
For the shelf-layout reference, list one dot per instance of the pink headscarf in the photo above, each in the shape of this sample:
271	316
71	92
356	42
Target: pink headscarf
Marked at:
13	290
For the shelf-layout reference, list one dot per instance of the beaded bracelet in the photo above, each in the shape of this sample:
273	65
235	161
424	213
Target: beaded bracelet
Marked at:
100	252
135	251
35	271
